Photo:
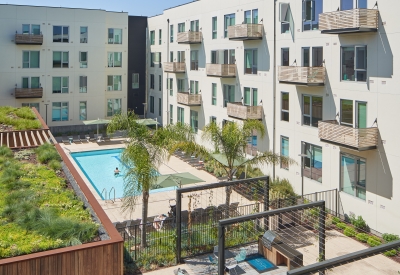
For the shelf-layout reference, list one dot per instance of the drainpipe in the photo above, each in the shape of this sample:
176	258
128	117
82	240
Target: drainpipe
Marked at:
274	94
166	94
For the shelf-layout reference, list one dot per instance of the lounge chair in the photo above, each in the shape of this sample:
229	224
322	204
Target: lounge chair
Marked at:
99	138
91	136
65	139
82	137
107	138
77	139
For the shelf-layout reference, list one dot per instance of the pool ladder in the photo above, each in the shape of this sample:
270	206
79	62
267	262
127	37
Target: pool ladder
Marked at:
109	194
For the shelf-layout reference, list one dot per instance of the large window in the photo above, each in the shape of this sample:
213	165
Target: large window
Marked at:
250	61
170	86
171	33
349	114
194	87
114	83
152	104
284	151
251	16
84	34
32	82
353	175
181	27
82	110
181	115
31	29
214	27
114	36
159	83
32	104
285	106
181	56
114	59
61	34
171	113
60	85
250	97
135	81
311	11
159	107
152	37
113	106
159	37
353	4
59	111
83	84
194	120
181	85
285	56
194	26
151	81
223	57
30	59
354	63
229	94
214	94
229	20
312	166
83	59
312	110
194	60
60	59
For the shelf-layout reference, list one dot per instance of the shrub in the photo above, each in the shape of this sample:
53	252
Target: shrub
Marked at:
282	187
358	222
55	165
374	241
341	225
47	153
362	237
336	220
25	112
390	237
5	151
349	231
390	253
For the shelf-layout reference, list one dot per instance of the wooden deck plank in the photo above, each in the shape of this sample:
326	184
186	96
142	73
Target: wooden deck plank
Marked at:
34	139
39	137
27	139
21	140
1	139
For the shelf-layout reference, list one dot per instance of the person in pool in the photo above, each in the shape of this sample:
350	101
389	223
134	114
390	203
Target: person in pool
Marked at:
116	171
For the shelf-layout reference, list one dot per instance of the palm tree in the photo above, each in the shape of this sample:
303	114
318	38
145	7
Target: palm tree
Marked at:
144	153
229	148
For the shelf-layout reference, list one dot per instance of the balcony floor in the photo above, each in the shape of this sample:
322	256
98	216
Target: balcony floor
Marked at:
302	84
349	30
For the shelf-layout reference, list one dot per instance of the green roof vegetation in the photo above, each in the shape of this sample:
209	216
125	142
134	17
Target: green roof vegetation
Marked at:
18	119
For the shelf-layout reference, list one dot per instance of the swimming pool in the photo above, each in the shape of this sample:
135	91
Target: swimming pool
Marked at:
98	167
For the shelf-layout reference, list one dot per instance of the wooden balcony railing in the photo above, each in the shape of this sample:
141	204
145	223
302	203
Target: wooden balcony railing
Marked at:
174	67
354	138
29	39
310	76
245	32
28	93
349	21
189	37
189	99
238	110
221	70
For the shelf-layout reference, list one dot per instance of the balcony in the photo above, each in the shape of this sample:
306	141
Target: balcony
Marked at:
174	67
243	32
331	131
221	70
308	76
189	37
29	39
349	21
28	93
189	99
240	111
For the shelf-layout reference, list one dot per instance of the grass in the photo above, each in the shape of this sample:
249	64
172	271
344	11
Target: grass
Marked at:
19	118
37	211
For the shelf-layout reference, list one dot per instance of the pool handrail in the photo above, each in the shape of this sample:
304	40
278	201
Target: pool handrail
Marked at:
109	194
105	193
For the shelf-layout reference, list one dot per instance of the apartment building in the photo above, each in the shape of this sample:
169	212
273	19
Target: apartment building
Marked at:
318	73
71	64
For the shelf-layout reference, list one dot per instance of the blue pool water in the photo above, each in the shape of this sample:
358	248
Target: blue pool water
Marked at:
99	166
259	263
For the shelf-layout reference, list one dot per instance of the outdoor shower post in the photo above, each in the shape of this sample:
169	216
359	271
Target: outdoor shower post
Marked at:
266	202
321	236
178	226
221	249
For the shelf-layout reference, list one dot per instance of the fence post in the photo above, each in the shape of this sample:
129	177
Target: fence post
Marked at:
178	226
135	242
321	236
266	203
315	196
221	249
337	202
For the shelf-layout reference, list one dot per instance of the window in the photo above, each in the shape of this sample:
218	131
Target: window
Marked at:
30	59
135	81
155	58
159	107
250	61
353	4
360	113
152	104
312	166
354	63
59	111
181	56
171	113
313	57
60	85
311	11
60	59
114	83
152	58
214	94
159	37
213	119
171	39
61	34
285	107
251	17
170	86
181	27
284	151
181	115
159	83
83	84
353	175
83	60
194	25
114	36
229	20
312	110
171	56
84	34
181	85
194	87
31	29
152	37
31	82
223	57
82	110
250	97
194	60
113	106
151	81
30	105
286	18
194	120
229	94
214	27
285	57
114	59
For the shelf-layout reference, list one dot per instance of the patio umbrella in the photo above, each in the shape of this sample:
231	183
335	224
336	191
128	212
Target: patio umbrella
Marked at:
97	122
221	158
147	122
177	179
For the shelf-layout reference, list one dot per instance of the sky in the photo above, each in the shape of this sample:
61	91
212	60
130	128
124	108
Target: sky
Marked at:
133	7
